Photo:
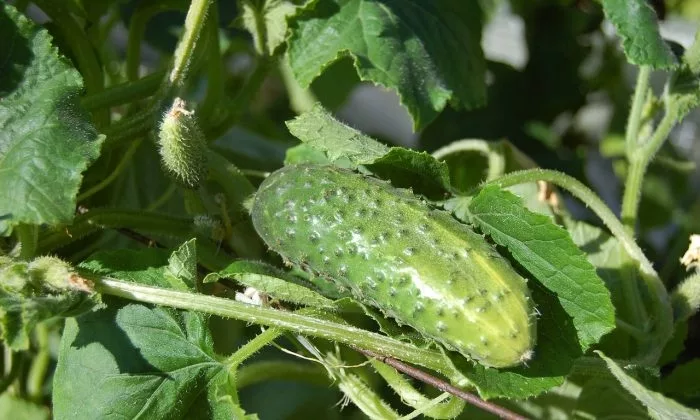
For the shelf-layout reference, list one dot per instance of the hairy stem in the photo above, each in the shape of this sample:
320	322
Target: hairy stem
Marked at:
302	324
445	387
253	346
194	22
639	162
634	121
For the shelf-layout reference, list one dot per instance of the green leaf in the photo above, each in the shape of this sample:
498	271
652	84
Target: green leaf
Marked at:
557	349
271	281
344	146
682	382
17	409
683	92
135	360
182	267
658	406
338	141
268	17
637	25
547	251
428	52
46	141
36	291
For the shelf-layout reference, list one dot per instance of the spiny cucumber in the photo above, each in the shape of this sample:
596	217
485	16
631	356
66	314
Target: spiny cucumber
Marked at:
393	251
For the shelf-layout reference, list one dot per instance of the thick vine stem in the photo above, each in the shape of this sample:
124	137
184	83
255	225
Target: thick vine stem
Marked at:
302	324
496	162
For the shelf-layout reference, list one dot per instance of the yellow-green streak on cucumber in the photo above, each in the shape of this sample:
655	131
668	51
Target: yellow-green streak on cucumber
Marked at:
392	251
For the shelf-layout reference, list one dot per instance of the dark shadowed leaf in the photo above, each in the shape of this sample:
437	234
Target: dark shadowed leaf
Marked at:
139	360
429	52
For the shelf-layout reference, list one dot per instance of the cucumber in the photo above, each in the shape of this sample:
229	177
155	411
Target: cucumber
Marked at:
391	250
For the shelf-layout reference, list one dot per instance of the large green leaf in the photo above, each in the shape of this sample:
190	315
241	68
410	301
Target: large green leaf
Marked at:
45	140
657	405
136	360
547	251
429	52
637	25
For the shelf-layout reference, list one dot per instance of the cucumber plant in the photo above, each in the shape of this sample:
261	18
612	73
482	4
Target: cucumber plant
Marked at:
188	231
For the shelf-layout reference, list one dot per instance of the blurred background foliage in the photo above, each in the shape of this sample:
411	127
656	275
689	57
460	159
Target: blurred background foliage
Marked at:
559	89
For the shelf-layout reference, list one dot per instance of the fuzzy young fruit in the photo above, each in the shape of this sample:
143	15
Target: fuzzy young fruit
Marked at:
182	146
392	251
